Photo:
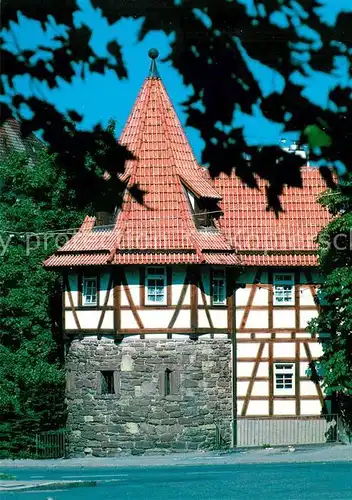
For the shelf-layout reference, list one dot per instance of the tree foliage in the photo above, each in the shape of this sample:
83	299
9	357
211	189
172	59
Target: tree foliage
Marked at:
335	317
35	200
211	42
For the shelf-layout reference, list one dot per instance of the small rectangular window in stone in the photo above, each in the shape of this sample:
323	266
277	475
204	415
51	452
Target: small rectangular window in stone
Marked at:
284	377
90	291
156	285
219	286
284	289
107	382
168	382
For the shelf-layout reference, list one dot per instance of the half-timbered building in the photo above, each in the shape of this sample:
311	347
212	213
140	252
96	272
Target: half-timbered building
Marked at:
191	308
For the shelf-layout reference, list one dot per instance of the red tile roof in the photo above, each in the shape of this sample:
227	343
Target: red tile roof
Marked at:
162	230
256	233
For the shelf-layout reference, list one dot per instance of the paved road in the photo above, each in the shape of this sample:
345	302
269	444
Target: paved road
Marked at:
214	482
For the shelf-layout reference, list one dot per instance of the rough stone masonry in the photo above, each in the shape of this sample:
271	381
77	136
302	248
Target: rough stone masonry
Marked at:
166	395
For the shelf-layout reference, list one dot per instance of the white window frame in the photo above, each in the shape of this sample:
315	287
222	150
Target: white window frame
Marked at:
85	295
155	276
215	280
284	286
284	372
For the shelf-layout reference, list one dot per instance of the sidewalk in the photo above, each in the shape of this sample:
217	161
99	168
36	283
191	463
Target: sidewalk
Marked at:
320	453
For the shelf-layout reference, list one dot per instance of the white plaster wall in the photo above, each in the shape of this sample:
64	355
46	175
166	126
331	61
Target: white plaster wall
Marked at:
258	408
73	282
316	349
306	297
239	316
70	323
263	369
308	388
262	335
284	350
219	317
248	350
156	318
104	282
257	319
282	335
202	319
287	407
242	388
284	318
108	321
312	407
244	368
88	319
183	319
127	320
158	336
303	335
260	388
242	296
306	316
178	279
261	296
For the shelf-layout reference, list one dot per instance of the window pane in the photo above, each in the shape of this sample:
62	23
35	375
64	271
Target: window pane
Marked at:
90	291
155	284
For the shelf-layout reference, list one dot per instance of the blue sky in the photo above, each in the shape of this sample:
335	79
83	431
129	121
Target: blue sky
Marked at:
101	97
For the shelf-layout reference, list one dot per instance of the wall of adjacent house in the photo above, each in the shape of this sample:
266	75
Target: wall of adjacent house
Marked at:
269	335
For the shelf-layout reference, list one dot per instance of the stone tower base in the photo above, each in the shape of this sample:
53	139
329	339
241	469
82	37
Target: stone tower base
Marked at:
165	395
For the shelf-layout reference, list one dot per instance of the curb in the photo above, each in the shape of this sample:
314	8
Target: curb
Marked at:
47	485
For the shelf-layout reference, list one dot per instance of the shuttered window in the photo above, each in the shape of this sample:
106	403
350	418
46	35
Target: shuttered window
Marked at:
284	289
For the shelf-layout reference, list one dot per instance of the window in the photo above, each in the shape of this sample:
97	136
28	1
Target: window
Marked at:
284	378
219	286
204	210
155	283
284	289
107	382
104	221
90	291
168	382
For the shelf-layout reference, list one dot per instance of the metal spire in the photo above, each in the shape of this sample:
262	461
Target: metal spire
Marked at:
153	71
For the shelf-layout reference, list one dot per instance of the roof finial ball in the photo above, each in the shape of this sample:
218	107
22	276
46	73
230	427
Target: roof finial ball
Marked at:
153	53
153	72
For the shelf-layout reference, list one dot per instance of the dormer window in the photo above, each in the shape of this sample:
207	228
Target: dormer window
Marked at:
104	220
203	210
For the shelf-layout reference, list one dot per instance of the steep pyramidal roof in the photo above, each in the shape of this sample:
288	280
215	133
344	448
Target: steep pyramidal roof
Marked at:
162	229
